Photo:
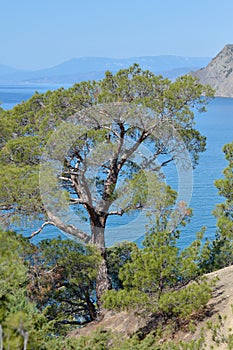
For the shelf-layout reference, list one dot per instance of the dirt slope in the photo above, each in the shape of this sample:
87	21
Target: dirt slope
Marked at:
220	304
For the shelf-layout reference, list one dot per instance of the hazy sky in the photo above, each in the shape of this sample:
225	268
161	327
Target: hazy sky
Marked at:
42	33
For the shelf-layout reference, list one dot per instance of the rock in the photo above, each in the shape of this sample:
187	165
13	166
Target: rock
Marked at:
219	72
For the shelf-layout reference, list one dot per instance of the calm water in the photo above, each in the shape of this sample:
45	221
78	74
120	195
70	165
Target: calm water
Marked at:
10	95
216	124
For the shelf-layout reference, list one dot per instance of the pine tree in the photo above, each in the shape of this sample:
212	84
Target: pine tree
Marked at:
76	148
161	279
221	252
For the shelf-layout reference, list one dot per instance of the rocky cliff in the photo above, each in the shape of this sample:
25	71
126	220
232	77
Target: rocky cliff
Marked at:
219	72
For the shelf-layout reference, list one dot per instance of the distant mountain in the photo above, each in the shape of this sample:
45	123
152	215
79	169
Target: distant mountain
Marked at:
219	72
6	69
93	68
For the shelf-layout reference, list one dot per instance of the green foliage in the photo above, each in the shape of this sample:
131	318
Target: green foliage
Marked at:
224	211
62	280
28	126
101	340
19	318
220	250
221	336
62	274
154	343
105	340
116	257
23	324
44	289
21	187
24	132
161	279
12	274
185	301
134	85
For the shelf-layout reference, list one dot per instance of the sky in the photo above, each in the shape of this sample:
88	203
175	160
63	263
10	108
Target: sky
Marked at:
36	34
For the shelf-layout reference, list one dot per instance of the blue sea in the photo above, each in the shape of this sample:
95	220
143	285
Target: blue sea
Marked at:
216	125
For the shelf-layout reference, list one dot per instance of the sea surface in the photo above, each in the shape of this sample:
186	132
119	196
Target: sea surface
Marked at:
216	125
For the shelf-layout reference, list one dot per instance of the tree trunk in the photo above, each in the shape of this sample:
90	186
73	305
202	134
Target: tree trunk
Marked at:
25	340
1	338
91	307
103	282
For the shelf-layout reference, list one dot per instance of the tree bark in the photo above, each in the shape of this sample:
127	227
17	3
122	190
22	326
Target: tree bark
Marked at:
1	338
70	229
103	282
97	223
91	307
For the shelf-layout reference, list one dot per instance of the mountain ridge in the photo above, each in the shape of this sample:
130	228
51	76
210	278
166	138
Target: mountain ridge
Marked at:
219	72
93	68
5	69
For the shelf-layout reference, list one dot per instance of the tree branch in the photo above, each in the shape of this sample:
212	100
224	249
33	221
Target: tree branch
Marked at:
65	178
81	186
33	234
70	229
111	180
116	212
148	161
77	201
130	151
124	210
166	162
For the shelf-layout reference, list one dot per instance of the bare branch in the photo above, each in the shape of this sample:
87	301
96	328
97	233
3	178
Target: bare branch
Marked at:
82	190
116	212
65	178
124	210
33	234
70	229
167	161
121	140
151	160
113	170
77	201
51	270
112	130
130	151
